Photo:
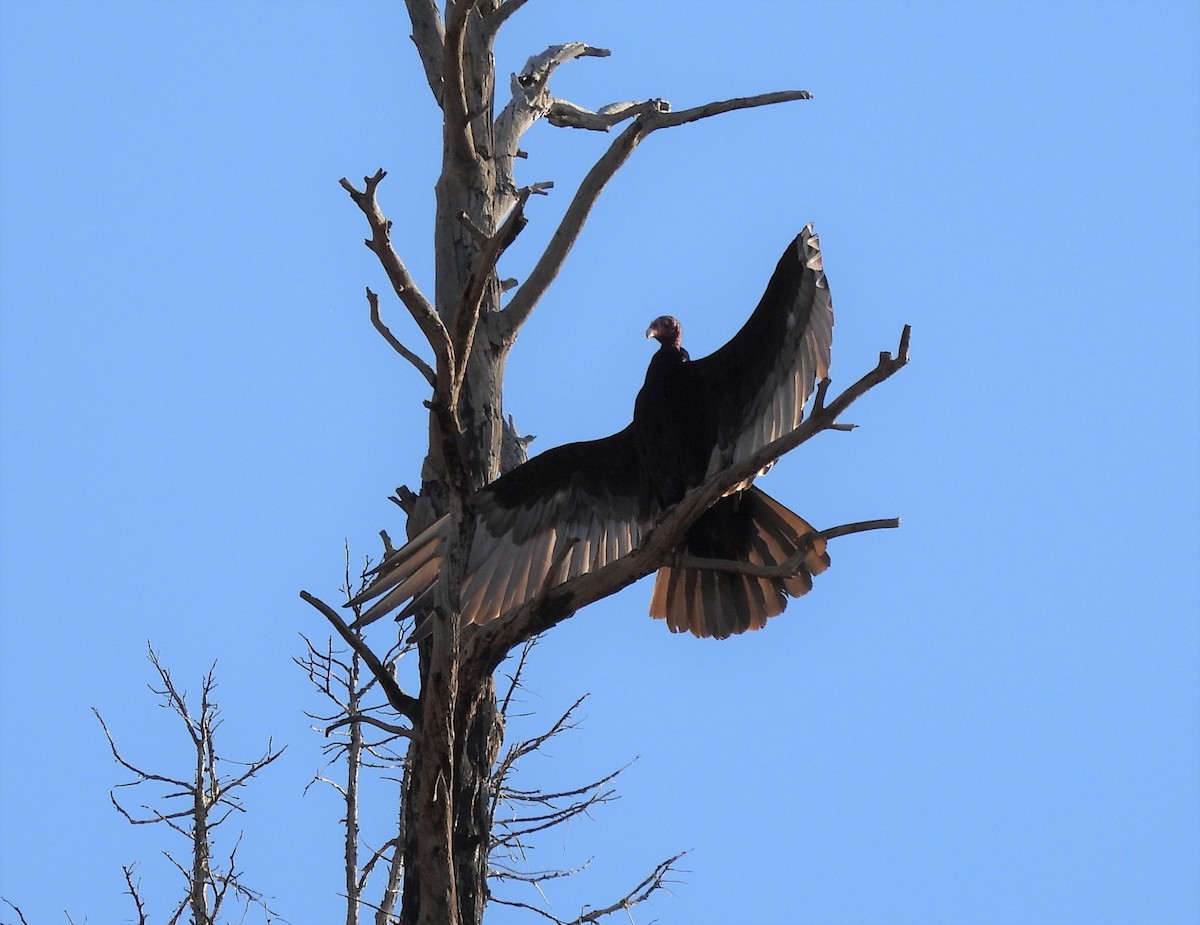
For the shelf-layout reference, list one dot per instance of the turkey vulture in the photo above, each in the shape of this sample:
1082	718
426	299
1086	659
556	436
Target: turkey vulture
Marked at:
575	508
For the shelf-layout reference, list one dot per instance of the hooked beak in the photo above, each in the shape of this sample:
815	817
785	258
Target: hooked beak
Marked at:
651	331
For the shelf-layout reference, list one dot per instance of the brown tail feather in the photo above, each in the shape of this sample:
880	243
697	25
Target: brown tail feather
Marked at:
749	527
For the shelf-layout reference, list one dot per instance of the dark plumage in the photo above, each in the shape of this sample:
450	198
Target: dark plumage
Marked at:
575	508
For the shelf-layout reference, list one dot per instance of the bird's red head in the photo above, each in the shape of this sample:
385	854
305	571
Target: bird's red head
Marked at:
667	330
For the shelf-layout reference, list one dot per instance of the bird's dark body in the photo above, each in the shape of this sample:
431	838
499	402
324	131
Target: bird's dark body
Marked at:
674	436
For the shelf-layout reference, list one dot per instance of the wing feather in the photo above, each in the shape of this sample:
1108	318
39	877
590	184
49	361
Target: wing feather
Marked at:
758	383
564	513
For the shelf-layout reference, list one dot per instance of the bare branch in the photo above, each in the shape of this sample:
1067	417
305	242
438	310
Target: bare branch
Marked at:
514	679
17	909
392	889
459	138
419	307
531	100
401	702
467	316
370	721
562	723
134	769
654	882
499	16
564	114
421	366
429	35
564	237
792	565
251	769
127	870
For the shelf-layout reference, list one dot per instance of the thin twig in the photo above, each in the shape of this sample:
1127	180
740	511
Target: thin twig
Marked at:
370	721
655	881
17	909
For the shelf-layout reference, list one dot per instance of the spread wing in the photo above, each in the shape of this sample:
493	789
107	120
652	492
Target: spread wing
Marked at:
575	508
568	511
758	383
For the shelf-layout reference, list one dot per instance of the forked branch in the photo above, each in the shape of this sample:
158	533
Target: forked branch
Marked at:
418	305
531	100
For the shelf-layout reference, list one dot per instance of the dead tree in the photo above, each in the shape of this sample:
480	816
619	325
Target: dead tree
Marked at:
452	720
209	796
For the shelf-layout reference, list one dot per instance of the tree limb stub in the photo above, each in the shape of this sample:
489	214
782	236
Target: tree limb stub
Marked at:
486	646
563	240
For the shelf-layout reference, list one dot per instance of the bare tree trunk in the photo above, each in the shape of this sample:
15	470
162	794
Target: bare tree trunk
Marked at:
446	846
200	835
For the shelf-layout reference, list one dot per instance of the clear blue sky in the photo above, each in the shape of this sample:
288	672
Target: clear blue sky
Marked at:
991	715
